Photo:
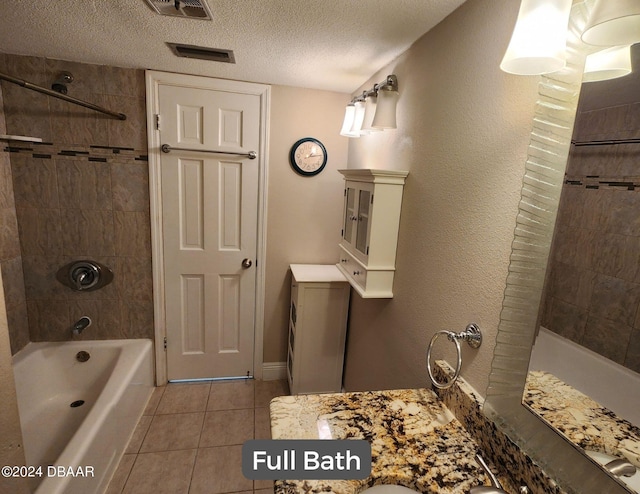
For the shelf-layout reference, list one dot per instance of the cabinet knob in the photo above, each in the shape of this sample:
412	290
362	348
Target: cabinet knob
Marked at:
356	273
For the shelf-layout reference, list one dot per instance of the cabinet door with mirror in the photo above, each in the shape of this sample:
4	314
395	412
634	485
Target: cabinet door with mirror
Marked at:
357	213
350	214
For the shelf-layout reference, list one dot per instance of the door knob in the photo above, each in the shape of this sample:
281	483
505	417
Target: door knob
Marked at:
246	263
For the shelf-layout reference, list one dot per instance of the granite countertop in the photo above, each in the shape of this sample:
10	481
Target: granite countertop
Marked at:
581	419
415	440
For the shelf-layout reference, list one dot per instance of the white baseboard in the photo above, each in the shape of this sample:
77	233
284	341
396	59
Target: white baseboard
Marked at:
273	371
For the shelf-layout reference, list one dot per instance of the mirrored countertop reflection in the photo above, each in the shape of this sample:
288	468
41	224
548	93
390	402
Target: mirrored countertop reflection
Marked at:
581	419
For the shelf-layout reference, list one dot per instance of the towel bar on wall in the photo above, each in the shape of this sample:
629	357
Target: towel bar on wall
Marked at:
167	149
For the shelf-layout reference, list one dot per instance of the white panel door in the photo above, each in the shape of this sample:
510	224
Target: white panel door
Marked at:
209	219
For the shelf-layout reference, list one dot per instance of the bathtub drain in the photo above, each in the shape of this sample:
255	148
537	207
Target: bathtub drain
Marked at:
77	403
82	356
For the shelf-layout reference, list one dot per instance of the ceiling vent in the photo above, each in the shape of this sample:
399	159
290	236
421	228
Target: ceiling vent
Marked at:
202	53
194	9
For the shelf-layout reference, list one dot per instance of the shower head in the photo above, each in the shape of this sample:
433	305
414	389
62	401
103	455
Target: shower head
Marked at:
60	84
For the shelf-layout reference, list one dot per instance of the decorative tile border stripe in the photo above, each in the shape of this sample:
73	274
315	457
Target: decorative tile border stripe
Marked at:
597	182
104	154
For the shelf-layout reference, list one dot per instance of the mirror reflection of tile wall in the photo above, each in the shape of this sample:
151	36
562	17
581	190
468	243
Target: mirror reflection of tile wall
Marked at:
593	287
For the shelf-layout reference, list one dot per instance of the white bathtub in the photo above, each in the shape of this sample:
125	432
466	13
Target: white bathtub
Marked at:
608	383
115	384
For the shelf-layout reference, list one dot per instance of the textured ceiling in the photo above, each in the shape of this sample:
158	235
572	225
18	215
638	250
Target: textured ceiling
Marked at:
323	44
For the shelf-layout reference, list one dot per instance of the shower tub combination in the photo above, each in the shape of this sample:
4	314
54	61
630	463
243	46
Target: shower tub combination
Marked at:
79	404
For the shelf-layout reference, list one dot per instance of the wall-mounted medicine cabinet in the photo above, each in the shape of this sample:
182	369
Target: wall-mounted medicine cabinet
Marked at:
371	219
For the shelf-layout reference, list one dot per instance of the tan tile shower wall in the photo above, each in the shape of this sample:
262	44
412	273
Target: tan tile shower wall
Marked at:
82	194
10	256
593	295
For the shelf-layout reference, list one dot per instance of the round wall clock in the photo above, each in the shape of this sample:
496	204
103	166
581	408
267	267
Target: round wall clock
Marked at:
308	156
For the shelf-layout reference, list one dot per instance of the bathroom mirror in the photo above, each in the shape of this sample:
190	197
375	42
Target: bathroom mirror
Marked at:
586	355
544	177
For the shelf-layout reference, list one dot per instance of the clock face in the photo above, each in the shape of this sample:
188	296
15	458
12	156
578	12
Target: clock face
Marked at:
308	156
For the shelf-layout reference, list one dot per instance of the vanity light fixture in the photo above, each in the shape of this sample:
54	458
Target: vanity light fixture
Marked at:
347	124
608	64
373	110
358	119
538	42
370	105
613	23
385	117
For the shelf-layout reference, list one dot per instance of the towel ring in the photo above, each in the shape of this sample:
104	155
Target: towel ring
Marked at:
471	335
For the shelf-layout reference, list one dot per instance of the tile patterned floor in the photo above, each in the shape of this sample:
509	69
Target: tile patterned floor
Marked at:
189	440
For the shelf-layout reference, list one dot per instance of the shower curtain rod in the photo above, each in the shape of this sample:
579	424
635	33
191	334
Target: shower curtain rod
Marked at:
61	96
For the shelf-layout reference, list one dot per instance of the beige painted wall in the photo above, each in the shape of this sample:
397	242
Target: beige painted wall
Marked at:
463	130
304	213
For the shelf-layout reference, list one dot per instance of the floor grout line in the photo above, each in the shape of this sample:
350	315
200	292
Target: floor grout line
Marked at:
198	448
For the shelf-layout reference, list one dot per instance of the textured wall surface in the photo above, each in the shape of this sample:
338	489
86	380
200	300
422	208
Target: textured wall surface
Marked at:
81	194
463	132
304	213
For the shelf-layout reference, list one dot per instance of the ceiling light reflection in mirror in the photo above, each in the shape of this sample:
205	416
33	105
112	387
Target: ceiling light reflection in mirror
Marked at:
538	43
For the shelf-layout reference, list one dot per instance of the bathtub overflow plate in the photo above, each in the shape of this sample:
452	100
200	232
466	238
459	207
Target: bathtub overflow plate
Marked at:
82	356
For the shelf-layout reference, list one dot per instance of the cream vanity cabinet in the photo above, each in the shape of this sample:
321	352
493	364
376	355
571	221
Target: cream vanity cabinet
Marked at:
317	328
372	203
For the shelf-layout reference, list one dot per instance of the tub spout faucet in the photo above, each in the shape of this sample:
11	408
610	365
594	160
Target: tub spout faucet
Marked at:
81	324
